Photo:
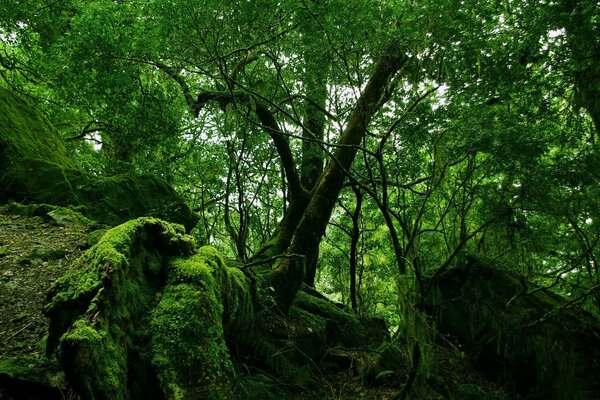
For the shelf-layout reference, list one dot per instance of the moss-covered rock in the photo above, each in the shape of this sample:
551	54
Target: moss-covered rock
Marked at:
188	340
99	313
110	200
297	347
343	327
517	333
25	133
134	322
68	217
34	168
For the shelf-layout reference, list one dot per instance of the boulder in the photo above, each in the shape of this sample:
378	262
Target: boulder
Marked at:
141	317
35	168
518	334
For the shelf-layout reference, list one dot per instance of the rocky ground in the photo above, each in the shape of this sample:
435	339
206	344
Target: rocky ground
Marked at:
34	251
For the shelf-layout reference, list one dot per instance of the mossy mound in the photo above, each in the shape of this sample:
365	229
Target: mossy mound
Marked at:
297	348
33	378
133	322
518	334
25	133
99	313
110	200
34	168
188	341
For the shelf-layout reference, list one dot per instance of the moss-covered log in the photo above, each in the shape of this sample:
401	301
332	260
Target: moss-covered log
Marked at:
35	168
517	333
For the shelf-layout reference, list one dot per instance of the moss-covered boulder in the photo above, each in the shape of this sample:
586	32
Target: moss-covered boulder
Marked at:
316	335
25	133
518	334
99	312
34	168
141	317
28	377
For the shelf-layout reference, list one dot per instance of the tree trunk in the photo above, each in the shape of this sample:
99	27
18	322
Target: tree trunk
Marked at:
287	277
311	167
354	247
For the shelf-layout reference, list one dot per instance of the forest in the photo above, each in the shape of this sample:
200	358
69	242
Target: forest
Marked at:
300	199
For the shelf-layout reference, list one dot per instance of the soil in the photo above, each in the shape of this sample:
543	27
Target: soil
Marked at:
34	251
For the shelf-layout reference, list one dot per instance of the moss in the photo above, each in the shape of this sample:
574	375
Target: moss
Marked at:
188	345
343	326
96	362
68	217
130	196
483	307
130	316
97	311
95	236
212	257
36	180
34	168
24	132
238	300
110	200
310	334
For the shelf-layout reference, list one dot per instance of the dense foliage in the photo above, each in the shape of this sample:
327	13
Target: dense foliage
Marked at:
480	133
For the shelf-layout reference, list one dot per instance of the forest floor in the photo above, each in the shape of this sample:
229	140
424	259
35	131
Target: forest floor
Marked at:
34	251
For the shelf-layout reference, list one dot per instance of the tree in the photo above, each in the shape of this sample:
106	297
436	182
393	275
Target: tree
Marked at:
452	126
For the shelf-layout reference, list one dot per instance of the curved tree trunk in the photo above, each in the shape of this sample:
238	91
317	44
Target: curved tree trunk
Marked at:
287	277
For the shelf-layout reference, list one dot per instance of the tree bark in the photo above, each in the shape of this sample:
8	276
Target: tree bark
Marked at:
313	130
354	247
287	277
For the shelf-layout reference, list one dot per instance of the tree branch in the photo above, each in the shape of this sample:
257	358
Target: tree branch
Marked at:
268	123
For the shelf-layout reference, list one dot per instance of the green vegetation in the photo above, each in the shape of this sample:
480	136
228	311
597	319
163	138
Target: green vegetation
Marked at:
99	312
188	342
35	168
389	193
26	133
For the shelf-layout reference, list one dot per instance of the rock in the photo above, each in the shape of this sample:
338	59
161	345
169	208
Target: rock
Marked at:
131	322
517	333
35	168
66	217
26	133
